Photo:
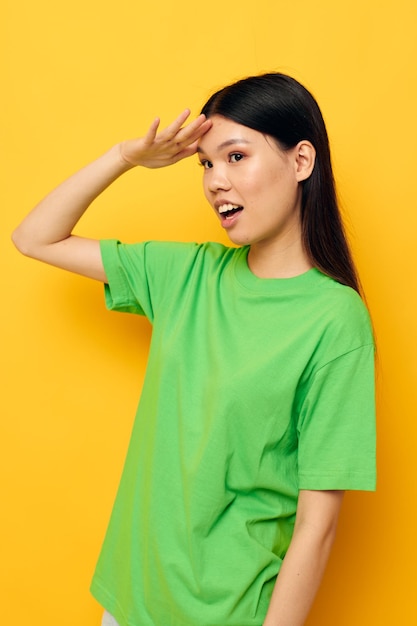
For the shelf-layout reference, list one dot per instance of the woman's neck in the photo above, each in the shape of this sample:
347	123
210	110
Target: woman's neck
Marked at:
284	262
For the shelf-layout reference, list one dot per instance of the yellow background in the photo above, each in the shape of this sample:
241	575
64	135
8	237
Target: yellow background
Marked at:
82	75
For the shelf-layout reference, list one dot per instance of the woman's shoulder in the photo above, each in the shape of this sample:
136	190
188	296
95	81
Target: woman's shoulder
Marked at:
342	299
344	314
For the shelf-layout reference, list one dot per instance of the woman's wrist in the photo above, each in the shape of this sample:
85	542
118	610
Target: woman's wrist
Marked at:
123	158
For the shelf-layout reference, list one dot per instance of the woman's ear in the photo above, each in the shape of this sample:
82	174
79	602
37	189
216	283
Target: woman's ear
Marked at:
305	155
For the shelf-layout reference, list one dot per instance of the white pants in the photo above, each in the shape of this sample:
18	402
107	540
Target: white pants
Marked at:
108	620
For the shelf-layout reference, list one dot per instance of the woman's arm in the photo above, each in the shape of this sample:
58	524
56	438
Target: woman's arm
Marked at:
46	233
305	561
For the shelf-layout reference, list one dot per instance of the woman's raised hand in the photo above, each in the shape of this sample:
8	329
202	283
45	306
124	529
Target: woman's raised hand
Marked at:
170	145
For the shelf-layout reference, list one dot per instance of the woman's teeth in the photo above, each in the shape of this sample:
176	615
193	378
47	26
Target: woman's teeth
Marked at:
229	209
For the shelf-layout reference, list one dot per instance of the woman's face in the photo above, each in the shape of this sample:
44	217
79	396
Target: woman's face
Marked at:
252	185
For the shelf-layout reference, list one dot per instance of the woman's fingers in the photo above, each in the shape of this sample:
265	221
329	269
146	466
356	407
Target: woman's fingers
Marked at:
193	131
175	142
172	130
185	152
152	131
184	135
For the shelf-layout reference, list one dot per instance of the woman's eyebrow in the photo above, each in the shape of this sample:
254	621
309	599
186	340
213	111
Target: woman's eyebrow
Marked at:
228	142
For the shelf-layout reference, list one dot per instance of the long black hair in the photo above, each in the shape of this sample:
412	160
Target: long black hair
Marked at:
279	106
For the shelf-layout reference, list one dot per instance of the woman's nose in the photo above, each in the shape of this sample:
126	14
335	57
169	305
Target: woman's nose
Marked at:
218	180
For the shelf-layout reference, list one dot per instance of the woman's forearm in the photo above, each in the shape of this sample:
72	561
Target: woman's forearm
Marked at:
54	218
305	562
298	581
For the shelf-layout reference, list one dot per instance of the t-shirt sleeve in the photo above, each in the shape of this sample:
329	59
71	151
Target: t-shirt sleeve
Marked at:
139	274
336	425
126	287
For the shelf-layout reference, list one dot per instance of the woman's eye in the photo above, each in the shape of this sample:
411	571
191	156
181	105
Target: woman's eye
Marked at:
206	164
235	157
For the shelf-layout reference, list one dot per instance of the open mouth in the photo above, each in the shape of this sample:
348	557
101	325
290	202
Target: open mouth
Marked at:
228	210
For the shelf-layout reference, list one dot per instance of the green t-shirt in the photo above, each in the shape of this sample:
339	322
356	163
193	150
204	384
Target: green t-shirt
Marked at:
255	388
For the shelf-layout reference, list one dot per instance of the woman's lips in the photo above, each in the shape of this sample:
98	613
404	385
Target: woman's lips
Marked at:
229	214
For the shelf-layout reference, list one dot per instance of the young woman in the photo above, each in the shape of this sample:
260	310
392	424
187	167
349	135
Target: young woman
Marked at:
257	410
